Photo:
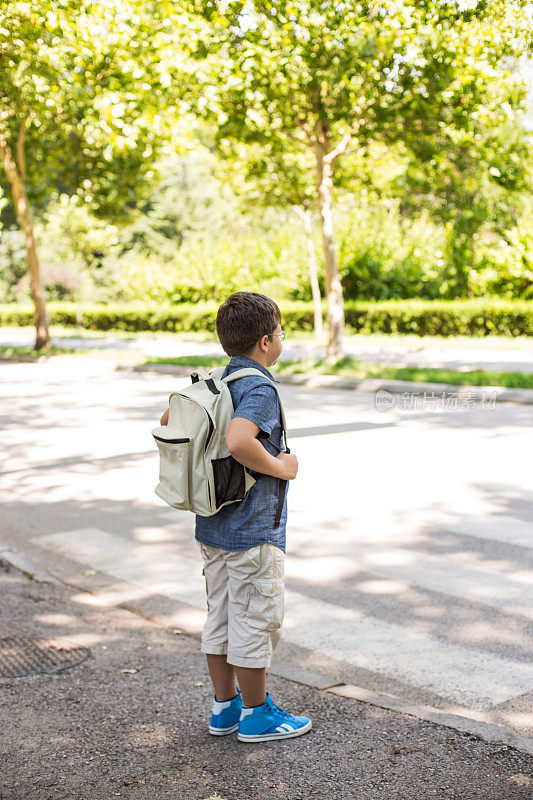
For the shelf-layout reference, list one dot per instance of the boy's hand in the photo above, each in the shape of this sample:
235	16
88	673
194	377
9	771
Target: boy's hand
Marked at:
164	418
245	447
290	465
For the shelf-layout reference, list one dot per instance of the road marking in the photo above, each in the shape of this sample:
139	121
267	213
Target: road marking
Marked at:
412	525
468	676
465	675
466	579
152	566
508	530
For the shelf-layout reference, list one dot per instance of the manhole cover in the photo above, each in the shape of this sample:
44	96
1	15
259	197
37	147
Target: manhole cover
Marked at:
21	657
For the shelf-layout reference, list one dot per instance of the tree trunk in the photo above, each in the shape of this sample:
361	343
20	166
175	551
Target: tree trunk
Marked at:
305	216
324	166
16	174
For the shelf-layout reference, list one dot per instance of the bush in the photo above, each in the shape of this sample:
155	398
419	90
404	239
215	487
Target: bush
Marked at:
477	317
423	317
382	258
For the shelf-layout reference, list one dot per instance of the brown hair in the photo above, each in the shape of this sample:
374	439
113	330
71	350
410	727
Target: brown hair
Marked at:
243	318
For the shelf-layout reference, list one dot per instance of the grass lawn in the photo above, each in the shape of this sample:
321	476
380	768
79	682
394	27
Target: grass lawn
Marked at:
16	351
295	337
348	367
27	353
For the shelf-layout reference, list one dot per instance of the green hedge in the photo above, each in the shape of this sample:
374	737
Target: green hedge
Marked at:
480	317
423	317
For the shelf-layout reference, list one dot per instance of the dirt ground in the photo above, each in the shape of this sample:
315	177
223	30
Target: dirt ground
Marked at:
131	722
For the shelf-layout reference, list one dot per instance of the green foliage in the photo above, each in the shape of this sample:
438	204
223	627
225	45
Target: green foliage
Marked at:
349	367
383	257
382	254
188	202
504	264
273	260
13	265
293	80
95	85
425	318
480	317
427	91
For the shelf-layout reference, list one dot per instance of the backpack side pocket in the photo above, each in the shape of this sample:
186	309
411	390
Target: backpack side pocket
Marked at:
228	479
174	449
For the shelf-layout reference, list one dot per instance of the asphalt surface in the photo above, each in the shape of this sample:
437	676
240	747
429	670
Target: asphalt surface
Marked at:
131	722
408	542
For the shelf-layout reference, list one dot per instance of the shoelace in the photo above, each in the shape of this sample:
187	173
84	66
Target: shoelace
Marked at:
285	714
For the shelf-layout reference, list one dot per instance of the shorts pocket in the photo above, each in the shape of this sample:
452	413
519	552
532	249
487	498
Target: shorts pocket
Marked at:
266	605
206	590
254	555
174	451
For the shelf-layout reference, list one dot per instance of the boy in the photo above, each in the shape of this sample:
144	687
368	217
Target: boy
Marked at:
243	549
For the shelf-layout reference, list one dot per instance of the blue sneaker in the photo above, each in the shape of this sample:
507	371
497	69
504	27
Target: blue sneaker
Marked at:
266	722
225	715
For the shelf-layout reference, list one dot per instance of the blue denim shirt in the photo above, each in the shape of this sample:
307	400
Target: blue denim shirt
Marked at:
239	526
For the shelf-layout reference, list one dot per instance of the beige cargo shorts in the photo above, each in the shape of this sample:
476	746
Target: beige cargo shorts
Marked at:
245	593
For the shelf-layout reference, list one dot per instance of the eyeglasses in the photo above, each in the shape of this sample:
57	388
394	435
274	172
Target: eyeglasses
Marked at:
281	335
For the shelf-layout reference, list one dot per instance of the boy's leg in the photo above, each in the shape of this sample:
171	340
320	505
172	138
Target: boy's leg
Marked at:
215	632
252	683
255	615
222	676
227	702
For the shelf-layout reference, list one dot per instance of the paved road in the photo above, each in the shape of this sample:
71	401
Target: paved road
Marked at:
480	353
409	535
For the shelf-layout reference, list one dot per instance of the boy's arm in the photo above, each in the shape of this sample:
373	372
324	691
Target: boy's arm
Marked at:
164	418
247	450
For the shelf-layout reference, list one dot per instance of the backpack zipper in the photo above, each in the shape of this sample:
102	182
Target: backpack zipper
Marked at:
211	423
211	429
170	441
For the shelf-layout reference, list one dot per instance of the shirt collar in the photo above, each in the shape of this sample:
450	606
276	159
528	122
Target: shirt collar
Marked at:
244	361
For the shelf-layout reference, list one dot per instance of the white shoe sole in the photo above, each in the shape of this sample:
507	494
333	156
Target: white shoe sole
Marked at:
223	731
268	737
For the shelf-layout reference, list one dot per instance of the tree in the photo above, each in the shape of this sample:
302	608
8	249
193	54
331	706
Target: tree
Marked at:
276	176
82	89
478	182
327	76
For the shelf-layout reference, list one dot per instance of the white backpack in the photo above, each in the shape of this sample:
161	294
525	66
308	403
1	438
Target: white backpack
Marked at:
196	470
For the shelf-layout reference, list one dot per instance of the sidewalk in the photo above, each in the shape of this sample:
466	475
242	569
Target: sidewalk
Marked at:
131	721
493	354
477	354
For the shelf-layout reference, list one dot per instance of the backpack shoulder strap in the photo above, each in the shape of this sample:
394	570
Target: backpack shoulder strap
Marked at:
242	373
202	373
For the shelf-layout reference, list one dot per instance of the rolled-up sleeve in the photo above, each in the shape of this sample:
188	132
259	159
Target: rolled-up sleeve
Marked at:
260	405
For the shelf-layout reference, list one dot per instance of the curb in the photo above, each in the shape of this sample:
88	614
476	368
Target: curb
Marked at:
26	567
22	359
486	731
486	394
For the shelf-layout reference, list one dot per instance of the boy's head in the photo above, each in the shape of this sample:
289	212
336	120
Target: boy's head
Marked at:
248	324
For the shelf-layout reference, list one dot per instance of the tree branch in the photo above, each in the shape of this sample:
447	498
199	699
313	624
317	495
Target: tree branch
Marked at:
5	153
21	161
306	128
339	149
298	210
